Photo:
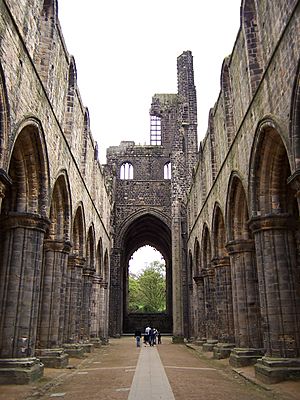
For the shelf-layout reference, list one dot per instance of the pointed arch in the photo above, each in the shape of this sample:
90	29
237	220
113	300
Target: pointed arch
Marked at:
106	266
206	255
60	210
218	233
249	23
91	249
237	214
197	258
227	100
99	259
269	171
29	171
78	234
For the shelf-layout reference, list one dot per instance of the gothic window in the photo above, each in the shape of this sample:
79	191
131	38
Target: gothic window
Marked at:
126	171
167	170
155	130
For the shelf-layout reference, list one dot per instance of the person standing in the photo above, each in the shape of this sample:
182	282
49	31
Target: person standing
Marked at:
137	335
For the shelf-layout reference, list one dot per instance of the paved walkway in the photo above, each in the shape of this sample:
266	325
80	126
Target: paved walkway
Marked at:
150	381
121	371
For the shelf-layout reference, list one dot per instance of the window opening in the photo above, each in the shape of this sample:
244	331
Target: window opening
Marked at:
167	171
155	130
126	171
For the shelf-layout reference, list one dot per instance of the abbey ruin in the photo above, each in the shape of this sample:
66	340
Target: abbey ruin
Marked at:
224	214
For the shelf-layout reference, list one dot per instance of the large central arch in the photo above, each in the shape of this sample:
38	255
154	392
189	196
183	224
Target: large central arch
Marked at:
147	229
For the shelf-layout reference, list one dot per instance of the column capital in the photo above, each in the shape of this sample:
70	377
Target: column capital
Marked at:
14	220
272	221
240	246
57	245
218	262
76	261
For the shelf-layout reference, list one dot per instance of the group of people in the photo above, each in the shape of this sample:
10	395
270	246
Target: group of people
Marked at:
151	336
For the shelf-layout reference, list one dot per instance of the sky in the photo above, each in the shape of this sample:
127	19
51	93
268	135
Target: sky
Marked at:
126	51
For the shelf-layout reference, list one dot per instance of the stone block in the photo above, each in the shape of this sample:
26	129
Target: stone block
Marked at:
273	370
53	358
20	371
243	357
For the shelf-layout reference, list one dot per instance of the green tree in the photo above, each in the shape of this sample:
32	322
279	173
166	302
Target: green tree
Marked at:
147	290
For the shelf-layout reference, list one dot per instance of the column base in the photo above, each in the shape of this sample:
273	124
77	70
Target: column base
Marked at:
96	342
222	350
53	358
20	371
74	350
242	357
209	345
274	370
104	340
177	339
87	347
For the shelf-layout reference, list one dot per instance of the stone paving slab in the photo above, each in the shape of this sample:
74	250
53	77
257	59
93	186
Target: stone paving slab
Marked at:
108	374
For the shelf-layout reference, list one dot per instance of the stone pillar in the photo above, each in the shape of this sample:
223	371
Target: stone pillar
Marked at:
73	305
246	307
104	312
21	241
199	302
88	275
209	283
178	328
223	298
279	288
51	321
116	294
95	311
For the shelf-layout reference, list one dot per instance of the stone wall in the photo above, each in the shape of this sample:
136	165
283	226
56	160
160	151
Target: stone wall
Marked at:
55	210
243	198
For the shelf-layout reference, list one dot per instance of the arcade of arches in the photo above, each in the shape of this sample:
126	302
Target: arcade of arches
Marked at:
224	215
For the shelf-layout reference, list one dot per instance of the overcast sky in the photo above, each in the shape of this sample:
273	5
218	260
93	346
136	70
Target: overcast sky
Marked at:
126	51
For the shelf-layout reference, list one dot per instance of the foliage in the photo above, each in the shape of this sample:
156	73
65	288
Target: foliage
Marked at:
147	290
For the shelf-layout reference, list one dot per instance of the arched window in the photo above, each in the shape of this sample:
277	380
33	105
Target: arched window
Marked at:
126	171
167	170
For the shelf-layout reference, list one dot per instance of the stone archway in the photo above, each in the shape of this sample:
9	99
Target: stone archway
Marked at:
274	224
146	229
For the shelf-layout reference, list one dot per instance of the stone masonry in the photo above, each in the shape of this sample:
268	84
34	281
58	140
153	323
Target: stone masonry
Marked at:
224	215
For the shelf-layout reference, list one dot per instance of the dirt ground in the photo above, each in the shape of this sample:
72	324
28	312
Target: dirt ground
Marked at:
107	374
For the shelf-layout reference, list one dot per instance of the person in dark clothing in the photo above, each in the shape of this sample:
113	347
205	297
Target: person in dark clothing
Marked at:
137	335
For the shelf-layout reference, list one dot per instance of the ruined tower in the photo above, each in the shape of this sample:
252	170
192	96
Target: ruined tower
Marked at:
149	185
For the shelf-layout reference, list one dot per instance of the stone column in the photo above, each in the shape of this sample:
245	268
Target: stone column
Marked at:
199	302
51	321
116	294
88	275
21	241
178	328
246	307
104	312
73	305
95	311
223	298
279	288
210	321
